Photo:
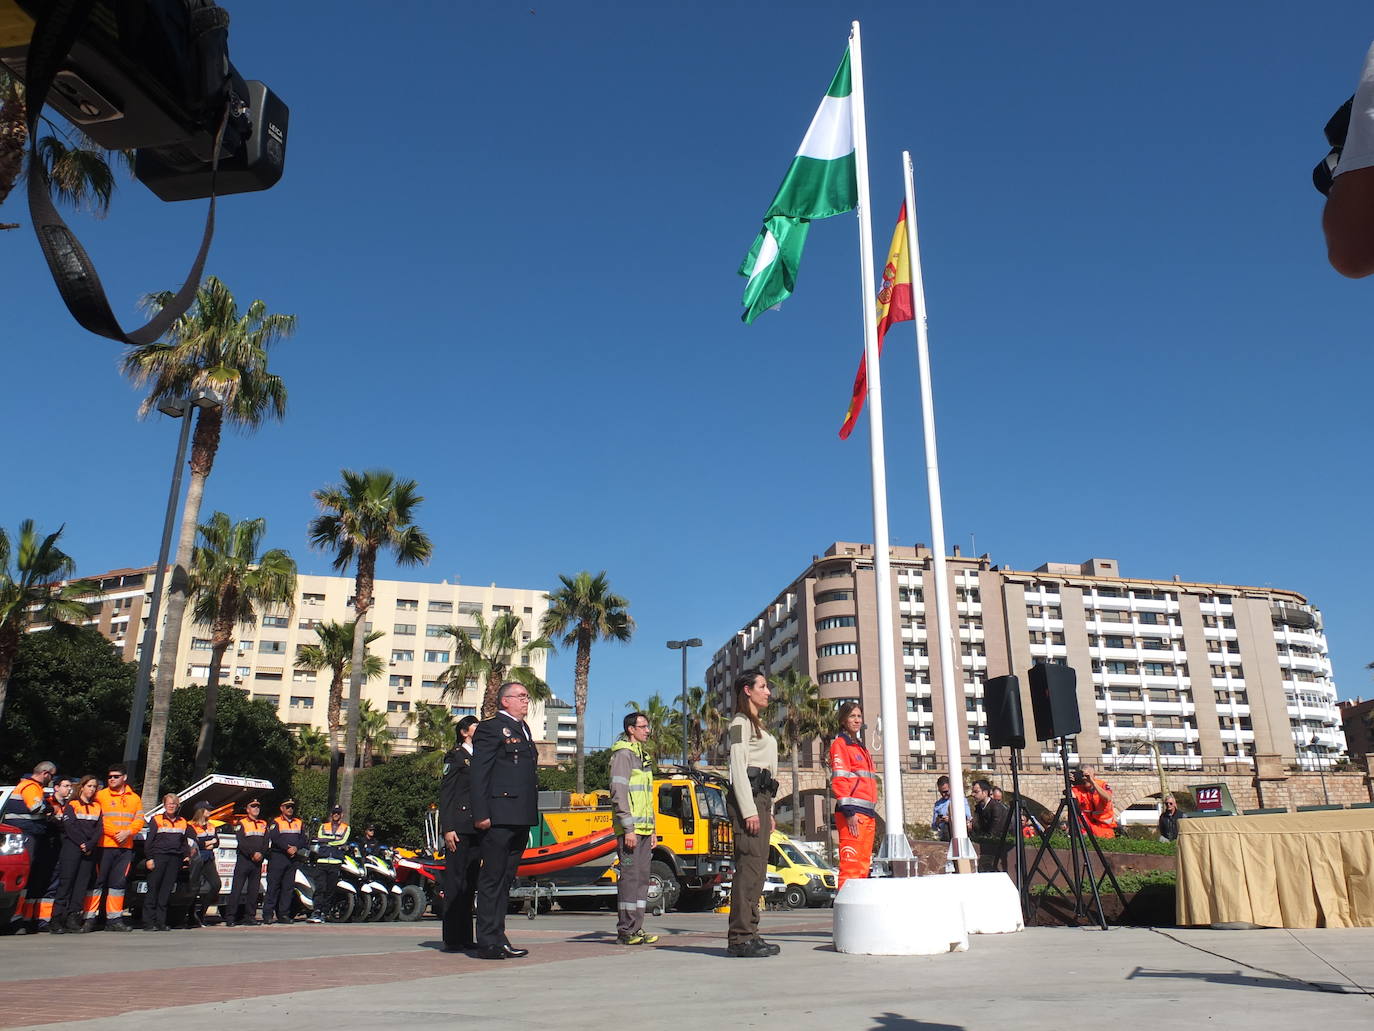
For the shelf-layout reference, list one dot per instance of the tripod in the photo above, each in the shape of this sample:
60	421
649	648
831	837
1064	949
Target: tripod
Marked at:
1080	857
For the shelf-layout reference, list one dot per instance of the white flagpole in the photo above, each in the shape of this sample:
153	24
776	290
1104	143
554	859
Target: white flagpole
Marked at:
895	845
959	847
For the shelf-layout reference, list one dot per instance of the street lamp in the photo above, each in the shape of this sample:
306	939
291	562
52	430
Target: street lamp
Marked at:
694	642
177	408
1315	744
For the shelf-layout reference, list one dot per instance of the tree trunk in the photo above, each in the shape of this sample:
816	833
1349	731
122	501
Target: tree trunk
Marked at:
335	726
496	676
202	458
9	652
219	645
581	667
796	792
362	601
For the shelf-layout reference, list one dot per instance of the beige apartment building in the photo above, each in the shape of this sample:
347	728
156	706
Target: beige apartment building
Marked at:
412	616
1201	672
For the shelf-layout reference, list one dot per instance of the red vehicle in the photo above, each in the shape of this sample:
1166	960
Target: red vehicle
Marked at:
14	870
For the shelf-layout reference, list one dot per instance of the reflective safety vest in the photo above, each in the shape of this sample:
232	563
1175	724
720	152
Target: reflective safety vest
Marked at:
120	811
1098	812
26	808
330	842
853	779
639	786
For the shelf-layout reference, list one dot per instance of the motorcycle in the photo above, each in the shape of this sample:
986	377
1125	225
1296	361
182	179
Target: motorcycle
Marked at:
386	893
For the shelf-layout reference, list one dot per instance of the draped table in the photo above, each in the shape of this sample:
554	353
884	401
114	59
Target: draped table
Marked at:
1278	870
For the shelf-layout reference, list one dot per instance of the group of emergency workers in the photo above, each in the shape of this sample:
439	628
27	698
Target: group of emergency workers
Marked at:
80	840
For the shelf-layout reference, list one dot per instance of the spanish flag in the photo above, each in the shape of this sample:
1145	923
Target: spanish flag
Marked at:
894	305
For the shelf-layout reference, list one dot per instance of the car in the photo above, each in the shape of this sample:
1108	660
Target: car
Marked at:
14	870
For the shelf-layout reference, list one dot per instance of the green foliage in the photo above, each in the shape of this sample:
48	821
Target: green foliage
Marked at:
1145	846
920	832
395	796
1130	883
665	728
68	702
563	777
250	739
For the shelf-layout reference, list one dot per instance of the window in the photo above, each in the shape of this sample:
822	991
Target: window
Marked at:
835	622
440	606
463	710
302	701
404	629
308	624
1115	641
407	604
847	648
277	621
1118	668
909	594
243	671
312	599
394	706
1163	694
500	610
272	647
1158	669
1151	618
400	733
435	630
200	644
402	655
267	674
1154	644
1113	616
399	681
469	607
303	676
826	596
273	700
437	656
839	676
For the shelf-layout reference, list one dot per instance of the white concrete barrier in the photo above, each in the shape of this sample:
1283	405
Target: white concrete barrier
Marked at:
899	916
991	902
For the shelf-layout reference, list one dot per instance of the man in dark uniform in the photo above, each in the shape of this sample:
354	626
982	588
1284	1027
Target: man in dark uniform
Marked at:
461	858
251	835
286	845
505	805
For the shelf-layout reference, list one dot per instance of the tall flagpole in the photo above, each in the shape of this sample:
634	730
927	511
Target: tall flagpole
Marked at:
895	845
959	847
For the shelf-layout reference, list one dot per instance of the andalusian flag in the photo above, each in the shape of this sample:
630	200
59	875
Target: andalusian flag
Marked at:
894	305
820	183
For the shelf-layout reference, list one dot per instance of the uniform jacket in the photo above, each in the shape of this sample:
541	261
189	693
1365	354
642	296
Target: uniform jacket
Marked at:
853	780
455	793
81	825
505	782
27	809
283	833
252	837
168	836
119	811
330	842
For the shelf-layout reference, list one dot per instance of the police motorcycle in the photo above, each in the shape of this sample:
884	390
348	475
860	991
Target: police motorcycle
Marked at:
346	889
385	899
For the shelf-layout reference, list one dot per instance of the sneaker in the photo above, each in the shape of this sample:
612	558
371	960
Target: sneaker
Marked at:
767	948
315	920
636	938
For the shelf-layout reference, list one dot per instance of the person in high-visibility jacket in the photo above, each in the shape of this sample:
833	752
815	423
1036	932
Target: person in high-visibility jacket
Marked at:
632	799
121	815
27	808
329	841
169	844
854	783
77	864
1094	799
286	845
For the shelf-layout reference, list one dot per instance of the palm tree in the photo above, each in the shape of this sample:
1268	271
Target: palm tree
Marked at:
230	581
705	724
368	513
665	724
490	656
335	653
35	591
312	748
796	697
212	348
582	611
78	169
434	727
374	733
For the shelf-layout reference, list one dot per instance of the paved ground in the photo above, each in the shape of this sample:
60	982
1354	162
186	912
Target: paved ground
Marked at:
331	978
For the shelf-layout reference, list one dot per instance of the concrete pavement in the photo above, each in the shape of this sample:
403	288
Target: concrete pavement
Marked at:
332	977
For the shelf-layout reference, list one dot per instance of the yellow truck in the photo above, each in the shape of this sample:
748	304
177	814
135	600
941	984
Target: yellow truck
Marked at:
692	849
807	884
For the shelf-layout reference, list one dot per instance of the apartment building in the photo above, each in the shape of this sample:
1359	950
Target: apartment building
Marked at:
413	617
560	722
1193	671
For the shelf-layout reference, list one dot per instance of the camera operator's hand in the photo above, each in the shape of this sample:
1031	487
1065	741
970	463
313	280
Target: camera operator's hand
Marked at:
1348	218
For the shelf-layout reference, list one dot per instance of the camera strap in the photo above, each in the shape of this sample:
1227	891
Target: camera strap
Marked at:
55	32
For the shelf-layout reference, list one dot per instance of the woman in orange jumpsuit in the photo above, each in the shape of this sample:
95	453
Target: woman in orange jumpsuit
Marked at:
854	783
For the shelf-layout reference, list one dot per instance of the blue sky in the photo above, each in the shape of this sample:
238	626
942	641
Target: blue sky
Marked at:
511	236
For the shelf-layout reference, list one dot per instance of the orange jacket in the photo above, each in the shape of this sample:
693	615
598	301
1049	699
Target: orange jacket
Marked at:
120	811
853	779
1099	817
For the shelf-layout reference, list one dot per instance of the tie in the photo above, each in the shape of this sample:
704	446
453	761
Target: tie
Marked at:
526	727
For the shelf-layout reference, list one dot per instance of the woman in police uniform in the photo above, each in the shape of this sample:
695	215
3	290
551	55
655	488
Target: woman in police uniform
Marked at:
461	858
753	783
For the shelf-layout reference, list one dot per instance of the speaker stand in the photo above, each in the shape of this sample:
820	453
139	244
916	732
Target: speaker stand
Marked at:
1080	856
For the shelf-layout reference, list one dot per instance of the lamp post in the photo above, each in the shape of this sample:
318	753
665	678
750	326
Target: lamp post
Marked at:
692	642
177	408
1315	744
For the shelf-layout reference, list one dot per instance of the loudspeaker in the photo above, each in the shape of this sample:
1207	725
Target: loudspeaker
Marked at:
1054	700
1002	700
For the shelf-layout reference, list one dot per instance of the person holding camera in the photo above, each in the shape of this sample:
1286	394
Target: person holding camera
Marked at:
939	817
753	783
1094	800
1348	218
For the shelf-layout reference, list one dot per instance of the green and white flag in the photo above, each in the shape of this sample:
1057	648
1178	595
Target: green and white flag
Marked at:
820	182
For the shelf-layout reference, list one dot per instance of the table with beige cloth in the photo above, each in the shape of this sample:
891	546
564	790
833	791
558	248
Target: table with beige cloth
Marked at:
1278	870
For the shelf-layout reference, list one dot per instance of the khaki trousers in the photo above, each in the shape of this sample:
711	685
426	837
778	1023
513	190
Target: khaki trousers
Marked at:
751	866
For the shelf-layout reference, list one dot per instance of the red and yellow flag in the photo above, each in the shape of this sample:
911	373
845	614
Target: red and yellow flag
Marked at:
894	305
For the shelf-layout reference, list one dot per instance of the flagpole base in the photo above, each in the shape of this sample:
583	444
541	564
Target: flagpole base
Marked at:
898	916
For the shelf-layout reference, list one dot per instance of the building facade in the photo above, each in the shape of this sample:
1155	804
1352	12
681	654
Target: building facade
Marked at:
1195	672
560	724
413	617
